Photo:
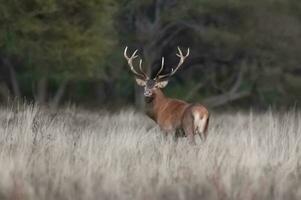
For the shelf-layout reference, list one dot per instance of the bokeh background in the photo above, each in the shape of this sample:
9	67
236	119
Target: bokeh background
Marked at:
243	53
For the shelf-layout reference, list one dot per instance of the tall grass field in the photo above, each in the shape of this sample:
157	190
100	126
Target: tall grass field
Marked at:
76	154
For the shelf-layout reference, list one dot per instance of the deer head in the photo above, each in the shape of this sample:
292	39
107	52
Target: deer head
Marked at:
159	81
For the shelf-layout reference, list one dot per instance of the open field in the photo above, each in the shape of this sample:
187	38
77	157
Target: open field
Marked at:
75	154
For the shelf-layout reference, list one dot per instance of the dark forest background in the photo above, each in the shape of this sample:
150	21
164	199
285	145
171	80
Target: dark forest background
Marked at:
243	53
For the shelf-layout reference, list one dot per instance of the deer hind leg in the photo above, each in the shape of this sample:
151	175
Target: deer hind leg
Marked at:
189	132
201	125
188	126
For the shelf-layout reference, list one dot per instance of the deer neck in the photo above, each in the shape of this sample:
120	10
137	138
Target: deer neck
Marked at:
156	104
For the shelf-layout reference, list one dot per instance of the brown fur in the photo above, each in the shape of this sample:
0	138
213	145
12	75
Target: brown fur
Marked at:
173	115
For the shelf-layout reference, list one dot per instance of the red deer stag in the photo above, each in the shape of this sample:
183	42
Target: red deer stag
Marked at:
172	115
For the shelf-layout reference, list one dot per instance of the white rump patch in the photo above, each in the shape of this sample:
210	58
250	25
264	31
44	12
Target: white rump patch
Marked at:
200	124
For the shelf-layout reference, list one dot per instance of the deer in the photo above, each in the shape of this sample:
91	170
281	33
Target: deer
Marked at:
174	117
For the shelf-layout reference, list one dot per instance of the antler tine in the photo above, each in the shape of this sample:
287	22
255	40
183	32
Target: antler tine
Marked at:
160	70
180	54
133	55
130	63
141	70
182	59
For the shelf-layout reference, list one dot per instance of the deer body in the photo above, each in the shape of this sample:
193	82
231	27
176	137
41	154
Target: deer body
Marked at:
175	116
165	111
172	115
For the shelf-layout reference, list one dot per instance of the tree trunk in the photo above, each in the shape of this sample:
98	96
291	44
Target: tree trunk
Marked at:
13	78
139	98
223	99
42	90
59	94
4	93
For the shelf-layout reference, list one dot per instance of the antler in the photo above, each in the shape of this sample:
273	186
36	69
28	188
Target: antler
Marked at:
130	62
162	66
173	70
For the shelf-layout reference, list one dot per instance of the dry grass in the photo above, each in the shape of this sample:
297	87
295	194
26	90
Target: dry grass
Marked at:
80	155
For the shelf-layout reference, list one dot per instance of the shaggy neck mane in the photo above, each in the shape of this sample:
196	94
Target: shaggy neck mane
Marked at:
158	103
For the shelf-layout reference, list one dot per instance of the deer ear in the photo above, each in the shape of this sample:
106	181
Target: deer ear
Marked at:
161	84
140	82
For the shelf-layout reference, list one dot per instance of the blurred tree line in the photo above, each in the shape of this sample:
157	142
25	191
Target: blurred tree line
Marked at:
243	53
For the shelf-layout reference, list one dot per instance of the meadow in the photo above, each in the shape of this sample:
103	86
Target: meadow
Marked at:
78	154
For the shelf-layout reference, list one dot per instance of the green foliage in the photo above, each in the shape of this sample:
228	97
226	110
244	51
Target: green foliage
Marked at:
83	40
58	38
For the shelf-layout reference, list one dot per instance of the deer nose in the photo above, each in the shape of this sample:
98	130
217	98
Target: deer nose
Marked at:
147	93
